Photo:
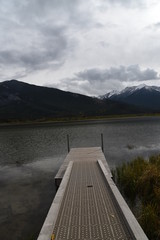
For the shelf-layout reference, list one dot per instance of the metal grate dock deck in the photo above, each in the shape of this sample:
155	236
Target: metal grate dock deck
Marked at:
81	154
87	210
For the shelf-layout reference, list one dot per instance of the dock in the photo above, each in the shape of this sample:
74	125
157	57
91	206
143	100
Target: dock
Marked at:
88	205
81	155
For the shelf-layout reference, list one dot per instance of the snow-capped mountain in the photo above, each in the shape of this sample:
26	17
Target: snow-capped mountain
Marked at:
109	94
144	96
23	101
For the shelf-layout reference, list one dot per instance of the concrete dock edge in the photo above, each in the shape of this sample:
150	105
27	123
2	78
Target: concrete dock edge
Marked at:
131	221
47	228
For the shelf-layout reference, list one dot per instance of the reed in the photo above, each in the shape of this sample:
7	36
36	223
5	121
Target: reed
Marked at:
140	179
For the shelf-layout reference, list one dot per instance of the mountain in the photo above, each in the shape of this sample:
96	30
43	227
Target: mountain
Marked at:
22	101
146	97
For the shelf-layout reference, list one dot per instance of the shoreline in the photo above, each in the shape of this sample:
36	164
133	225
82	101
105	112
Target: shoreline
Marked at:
79	121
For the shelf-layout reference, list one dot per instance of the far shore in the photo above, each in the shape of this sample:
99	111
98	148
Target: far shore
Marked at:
80	120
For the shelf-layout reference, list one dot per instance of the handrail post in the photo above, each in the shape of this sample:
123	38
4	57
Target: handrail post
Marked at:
68	147
102	142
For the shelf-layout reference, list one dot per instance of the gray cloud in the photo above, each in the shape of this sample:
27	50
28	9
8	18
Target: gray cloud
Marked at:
55	12
74	43
155	26
86	87
41	53
38	34
98	81
122	73
129	3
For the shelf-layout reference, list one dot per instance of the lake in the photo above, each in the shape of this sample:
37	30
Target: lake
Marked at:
30	156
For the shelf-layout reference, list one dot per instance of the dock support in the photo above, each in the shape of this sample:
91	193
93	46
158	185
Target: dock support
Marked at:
102	142
68	147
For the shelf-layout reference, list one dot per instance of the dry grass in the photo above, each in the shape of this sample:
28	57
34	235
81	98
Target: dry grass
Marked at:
140	179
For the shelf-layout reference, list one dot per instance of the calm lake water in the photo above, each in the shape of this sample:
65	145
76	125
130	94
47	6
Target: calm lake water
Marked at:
30	156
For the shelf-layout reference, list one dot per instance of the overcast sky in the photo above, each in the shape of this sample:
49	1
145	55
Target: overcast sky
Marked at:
84	46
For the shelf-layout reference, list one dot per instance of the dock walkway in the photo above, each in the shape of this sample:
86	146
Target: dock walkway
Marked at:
91	154
88	205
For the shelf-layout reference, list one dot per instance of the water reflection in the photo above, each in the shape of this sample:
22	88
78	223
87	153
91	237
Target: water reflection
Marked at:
26	193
